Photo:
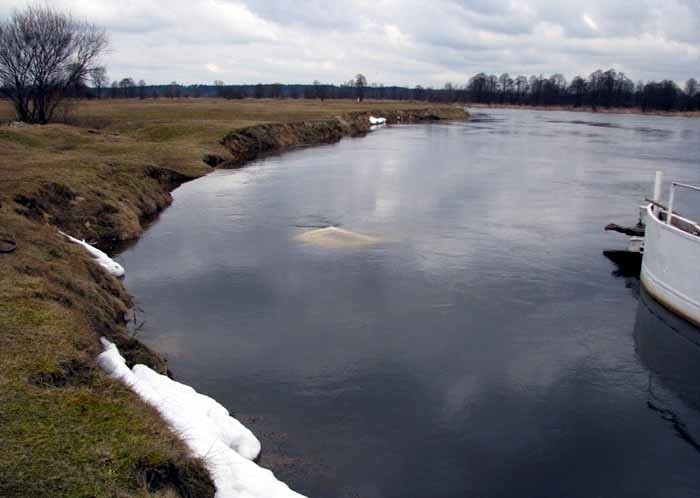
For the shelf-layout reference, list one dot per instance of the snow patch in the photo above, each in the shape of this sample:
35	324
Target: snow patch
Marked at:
226	446
377	121
111	266
336	238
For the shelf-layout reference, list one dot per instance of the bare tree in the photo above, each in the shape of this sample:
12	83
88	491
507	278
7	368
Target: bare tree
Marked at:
449	90
276	90
219	84
78	87
127	85
173	90
691	90
553	88
419	93
43	53
142	89
503	85
578	89
317	90
360	84
98	76
520	87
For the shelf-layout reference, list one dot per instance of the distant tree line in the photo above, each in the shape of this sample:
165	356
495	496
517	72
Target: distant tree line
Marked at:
601	89
604	89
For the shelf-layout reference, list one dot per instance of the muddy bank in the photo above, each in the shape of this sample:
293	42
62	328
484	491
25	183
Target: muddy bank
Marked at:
89	215
248	143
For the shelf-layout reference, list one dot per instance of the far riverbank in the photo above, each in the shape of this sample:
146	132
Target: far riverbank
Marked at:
601	110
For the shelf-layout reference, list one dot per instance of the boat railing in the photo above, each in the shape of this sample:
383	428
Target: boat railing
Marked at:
675	219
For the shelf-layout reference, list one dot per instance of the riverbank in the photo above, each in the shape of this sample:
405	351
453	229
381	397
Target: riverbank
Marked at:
67	430
602	110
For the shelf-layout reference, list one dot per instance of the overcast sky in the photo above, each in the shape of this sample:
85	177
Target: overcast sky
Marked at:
403	42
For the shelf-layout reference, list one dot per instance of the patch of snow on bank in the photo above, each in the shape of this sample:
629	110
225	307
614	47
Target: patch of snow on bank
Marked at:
101	258
225	445
376	121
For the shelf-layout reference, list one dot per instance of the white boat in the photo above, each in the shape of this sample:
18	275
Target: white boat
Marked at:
671	262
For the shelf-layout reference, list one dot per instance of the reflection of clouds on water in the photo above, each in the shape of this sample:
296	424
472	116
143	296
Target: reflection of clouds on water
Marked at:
487	334
540	359
459	396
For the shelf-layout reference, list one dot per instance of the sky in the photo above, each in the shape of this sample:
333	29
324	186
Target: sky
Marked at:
392	42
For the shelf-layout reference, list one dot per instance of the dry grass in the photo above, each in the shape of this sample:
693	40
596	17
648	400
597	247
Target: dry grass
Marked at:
65	429
172	133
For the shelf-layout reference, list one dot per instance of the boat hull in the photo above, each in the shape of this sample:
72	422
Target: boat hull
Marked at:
669	267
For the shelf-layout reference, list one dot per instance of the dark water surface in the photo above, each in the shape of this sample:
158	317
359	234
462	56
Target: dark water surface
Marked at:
483	349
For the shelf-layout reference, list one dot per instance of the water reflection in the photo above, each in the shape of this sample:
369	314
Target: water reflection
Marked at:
628	264
669	347
482	349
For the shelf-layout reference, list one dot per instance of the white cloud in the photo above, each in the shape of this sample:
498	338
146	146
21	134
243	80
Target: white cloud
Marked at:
394	35
390	41
588	20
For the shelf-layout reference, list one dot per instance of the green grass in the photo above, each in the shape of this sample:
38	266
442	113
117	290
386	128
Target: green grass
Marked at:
84	437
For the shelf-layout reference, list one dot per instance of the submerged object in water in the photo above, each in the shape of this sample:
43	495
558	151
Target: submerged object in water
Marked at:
111	266
336	238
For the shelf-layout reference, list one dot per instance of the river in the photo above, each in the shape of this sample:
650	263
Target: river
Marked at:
481	346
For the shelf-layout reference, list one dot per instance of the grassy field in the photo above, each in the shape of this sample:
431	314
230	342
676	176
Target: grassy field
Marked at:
173	133
65	429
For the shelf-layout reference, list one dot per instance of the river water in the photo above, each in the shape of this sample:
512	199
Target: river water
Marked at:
482	347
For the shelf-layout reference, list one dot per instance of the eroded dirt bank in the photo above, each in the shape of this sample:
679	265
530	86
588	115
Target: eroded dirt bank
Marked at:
247	143
58	410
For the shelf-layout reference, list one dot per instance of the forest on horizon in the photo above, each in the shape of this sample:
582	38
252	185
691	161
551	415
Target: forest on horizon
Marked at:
601	89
